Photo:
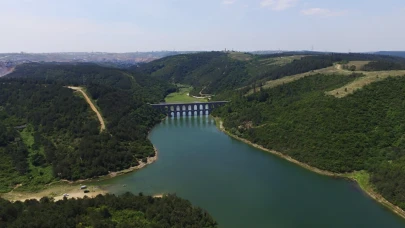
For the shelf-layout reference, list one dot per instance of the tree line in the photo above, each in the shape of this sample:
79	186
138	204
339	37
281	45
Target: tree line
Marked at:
126	210
384	65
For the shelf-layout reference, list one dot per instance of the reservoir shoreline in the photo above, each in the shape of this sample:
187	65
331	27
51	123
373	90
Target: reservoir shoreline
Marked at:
70	188
368	190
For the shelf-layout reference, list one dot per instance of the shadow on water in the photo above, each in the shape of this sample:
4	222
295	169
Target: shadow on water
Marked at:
242	186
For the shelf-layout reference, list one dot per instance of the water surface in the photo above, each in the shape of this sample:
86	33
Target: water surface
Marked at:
242	186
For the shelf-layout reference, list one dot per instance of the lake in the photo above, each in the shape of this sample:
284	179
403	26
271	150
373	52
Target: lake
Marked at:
241	186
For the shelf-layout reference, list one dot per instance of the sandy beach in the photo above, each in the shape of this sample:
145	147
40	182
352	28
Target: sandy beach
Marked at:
56	192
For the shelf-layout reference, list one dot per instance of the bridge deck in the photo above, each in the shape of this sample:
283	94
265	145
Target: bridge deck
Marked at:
190	103
193	108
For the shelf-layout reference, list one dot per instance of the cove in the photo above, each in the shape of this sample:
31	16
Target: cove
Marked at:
241	186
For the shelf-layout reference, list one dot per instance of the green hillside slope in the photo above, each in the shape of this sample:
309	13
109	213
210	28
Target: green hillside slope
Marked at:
214	72
362	131
60	136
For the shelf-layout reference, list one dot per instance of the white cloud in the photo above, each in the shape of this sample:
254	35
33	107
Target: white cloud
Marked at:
228	2
323	12
278	5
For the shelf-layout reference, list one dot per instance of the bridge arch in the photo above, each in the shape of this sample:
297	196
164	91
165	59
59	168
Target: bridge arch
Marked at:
196	108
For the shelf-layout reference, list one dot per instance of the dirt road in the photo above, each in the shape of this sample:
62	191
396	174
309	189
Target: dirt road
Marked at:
93	107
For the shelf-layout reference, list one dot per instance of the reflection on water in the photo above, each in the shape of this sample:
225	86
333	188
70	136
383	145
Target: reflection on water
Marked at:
189	121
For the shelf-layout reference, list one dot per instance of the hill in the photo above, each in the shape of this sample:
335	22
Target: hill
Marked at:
214	72
367	71
49	132
363	130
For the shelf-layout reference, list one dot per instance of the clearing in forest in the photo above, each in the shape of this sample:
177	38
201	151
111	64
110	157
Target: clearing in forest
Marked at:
183	96
240	56
92	106
358	64
280	61
369	77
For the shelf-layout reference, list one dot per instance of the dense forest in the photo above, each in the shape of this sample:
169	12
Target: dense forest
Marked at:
363	131
49	132
88	74
126	210
214	72
384	65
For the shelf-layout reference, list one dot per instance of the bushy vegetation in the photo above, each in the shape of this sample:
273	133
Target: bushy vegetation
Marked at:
105	211
60	137
363	131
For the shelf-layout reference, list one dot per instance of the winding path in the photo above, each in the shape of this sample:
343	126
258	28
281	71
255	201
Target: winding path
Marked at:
93	107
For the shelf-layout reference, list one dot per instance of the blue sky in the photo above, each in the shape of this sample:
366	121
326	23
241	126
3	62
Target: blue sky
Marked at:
244	25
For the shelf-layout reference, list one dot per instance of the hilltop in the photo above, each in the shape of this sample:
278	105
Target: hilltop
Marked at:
368	71
215	72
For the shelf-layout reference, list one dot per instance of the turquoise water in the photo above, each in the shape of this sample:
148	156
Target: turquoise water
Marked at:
242	186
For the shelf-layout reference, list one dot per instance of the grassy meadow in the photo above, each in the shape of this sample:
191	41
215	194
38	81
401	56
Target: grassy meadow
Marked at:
182	96
369	77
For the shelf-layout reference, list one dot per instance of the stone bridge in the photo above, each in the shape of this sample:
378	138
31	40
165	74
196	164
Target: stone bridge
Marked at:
188	109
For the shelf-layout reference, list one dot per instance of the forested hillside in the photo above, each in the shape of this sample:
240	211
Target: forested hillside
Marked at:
105	211
384	65
214	72
392	53
49	132
87	74
362	131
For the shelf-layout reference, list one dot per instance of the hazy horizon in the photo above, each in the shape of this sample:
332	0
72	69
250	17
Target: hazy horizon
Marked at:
124	26
181	51
151	51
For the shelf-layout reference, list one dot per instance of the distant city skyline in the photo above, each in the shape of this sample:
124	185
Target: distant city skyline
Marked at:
45	26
